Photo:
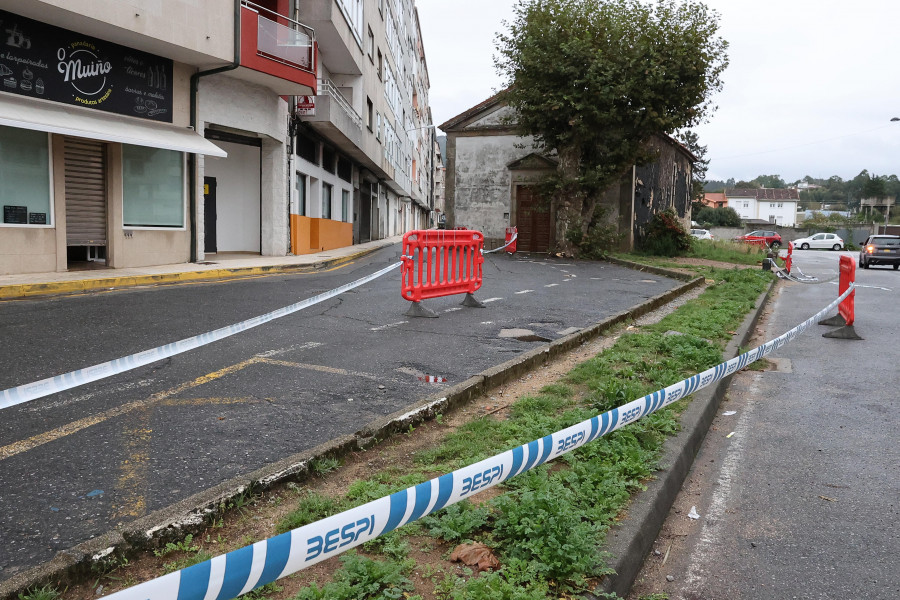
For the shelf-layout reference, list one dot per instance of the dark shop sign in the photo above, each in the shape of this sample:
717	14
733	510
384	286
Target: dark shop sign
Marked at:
43	61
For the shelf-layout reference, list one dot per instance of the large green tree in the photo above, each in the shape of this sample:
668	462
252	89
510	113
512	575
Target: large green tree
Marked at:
593	80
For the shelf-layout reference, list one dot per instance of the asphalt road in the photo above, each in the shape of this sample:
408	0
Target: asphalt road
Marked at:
77	464
803	499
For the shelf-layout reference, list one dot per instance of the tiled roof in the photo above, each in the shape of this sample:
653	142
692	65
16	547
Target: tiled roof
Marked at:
764	194
712	198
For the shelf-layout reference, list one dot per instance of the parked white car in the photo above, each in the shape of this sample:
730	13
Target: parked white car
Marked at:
820	240
701	234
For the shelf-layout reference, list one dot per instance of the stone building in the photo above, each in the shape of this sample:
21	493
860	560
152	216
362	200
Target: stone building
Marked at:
492	172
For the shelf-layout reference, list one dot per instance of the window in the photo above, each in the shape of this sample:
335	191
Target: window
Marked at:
329	158
300	186
345	169
153	187
25	177
370	50
781	205
369	112
746	204
307	148
326	200
380	65
378	126
771	205
345	204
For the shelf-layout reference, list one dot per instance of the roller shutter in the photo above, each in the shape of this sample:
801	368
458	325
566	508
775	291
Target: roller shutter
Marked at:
85	162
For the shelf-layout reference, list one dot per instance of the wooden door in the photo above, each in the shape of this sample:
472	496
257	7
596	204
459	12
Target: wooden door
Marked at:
532	220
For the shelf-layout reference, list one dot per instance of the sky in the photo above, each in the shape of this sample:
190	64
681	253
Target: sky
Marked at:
810	88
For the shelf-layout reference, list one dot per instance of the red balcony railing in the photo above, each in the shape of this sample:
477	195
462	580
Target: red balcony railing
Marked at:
280	48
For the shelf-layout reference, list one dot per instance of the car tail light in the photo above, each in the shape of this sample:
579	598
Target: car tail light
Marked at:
870	248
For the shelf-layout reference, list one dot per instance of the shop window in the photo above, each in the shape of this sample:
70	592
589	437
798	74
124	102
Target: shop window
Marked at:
153	187
307	148
326	200
345	169
345	205
300	186
25	177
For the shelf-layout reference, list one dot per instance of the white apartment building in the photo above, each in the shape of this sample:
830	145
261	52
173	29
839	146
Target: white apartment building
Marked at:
361	168
775	206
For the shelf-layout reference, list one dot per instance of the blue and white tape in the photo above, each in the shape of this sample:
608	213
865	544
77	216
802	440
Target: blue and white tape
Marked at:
237	572
52	385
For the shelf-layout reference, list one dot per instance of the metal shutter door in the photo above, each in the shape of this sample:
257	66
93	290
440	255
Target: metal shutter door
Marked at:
85	192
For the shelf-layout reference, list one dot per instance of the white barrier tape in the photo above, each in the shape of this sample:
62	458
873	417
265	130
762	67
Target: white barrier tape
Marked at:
783	274
242	570
514	237
52	385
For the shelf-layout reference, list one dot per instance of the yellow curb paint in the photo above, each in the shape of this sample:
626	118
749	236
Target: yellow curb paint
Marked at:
27	290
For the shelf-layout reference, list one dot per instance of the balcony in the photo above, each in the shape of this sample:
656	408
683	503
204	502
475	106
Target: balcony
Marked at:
336	119
279	54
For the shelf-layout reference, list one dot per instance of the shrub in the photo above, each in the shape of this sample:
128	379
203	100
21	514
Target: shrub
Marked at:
665	235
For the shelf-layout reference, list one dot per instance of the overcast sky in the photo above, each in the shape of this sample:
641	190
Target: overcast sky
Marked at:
810	89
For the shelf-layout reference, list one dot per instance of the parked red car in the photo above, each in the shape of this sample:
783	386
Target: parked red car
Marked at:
761	237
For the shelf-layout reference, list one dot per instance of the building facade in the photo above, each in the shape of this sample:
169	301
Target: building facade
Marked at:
130	138
771	205
361	168
492	176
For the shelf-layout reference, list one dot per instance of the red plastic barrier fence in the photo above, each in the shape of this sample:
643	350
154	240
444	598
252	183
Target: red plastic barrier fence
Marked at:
789	258
848	275
441	263
511	236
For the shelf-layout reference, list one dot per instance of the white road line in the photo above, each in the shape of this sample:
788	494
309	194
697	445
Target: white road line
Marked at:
490	300
454	309
524	291
551	285
713	518
389	325
305	346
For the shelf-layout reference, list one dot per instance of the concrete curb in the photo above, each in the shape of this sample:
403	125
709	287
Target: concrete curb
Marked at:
80	286
192	514
630	540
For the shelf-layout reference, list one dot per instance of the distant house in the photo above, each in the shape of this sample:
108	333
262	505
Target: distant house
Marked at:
771	205
714	200
492	176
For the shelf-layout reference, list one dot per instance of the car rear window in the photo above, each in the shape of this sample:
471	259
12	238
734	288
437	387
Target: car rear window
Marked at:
886	241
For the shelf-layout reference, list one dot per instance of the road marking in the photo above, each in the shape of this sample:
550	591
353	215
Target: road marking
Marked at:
61	403
305	346
454	309
389	325
524	291
62	431
490	300
551	285
130	500
322	369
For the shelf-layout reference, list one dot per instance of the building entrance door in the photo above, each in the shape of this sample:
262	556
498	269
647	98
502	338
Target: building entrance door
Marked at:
532	220
209	214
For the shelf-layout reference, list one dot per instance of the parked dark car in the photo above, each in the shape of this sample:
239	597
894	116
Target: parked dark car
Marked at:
880	250
761	237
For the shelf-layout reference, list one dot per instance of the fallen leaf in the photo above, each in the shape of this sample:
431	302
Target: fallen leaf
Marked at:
475	554
829	499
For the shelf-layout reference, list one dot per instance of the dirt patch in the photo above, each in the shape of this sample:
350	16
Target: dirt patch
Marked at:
258	518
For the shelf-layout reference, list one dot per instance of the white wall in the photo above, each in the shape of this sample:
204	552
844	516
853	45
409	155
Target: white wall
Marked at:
237	197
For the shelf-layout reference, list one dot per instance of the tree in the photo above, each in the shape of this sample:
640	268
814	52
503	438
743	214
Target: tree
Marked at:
593	80
691	141
718	217
770	181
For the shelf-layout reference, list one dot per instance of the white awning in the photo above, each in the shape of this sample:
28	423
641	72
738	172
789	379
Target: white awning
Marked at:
53	117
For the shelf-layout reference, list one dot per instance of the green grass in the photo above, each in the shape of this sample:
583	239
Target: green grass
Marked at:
547	525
